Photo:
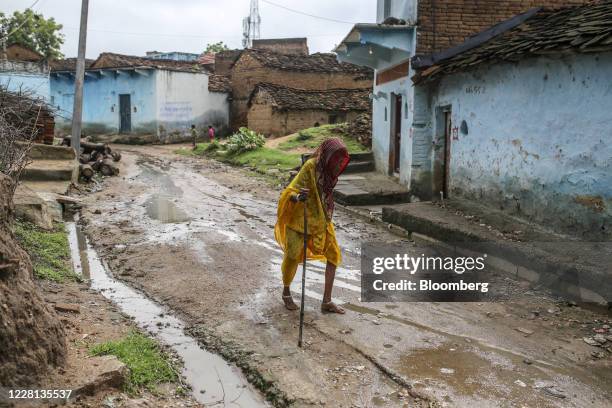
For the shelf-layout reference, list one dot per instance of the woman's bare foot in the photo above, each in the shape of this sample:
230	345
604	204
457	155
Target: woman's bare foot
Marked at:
289	303
331	307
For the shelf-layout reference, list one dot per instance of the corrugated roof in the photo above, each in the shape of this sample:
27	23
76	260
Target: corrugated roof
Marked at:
219	83
319	62
580	29
284	98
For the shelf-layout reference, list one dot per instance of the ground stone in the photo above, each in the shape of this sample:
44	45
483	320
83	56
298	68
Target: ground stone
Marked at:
109	373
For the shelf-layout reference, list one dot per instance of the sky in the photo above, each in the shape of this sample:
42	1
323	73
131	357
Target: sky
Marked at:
136	26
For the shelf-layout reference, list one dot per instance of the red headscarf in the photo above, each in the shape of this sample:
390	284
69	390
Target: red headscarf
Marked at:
332	158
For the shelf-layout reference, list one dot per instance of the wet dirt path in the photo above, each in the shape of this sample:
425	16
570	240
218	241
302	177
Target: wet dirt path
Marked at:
197	236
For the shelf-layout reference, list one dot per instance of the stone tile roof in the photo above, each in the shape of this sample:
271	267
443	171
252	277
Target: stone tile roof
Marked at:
67	64
111	60
580	29
319	62
219	83
284	98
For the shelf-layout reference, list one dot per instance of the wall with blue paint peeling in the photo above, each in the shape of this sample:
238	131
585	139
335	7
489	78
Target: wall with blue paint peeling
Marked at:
163	103
382	119
36	83
101	101
539	140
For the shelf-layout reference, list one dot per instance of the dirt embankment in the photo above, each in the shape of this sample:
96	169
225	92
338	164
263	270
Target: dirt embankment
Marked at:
32	339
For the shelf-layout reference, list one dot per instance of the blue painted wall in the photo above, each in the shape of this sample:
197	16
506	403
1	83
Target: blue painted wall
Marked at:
539	140
101	101
27	76
163	103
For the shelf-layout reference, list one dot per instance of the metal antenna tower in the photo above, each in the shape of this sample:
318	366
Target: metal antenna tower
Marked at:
251	25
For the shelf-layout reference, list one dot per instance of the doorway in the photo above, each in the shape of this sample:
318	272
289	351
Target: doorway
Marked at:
396	135
125	113
442	149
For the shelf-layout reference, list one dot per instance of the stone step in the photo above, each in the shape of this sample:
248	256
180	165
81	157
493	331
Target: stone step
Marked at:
47	152
370	188
51	170
359	167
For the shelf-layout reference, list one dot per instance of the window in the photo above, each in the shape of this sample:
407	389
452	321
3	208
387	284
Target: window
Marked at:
387	9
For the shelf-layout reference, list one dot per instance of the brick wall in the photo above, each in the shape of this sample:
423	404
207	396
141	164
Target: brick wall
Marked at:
298	46
455	20
272	123
248	72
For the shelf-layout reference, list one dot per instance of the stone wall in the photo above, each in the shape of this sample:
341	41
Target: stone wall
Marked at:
273	123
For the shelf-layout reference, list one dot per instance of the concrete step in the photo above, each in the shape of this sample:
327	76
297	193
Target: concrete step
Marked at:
51	170
47	152
369	188
359	167
571	268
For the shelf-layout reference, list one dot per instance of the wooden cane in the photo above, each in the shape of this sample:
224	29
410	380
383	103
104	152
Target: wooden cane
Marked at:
303	277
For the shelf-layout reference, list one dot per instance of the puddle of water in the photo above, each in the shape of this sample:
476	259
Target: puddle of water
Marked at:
161	208
214	382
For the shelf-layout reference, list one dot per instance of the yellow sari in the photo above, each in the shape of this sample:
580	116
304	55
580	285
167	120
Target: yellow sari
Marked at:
289	228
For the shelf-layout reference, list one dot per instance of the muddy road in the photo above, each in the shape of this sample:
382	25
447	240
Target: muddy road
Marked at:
197	236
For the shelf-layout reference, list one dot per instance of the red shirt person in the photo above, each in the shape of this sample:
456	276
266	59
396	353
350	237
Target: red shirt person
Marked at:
211	134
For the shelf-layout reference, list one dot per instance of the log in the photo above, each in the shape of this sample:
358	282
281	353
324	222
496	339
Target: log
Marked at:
108	168
96	165
116	156
86	172
84	158
95	147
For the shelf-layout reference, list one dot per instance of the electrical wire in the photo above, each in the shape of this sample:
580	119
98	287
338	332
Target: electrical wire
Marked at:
184	35
307	14
20	25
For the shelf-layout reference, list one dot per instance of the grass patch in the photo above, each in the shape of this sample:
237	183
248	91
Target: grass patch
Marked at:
149	366
48	250
311	138
189	151
264	159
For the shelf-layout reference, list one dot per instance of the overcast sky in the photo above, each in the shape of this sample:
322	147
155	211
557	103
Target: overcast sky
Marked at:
136	26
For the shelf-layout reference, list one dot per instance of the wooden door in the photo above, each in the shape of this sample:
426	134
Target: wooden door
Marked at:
125	113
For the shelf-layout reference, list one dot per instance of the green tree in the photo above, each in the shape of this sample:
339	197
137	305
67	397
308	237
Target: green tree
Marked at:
33	31
216	47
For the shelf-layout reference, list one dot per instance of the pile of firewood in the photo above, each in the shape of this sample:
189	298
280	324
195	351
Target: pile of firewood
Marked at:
96	157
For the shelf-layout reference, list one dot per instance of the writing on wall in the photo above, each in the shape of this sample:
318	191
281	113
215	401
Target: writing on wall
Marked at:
176	111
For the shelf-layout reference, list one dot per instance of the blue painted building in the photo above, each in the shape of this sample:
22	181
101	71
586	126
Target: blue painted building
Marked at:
520	118
26	75
141	96
387	47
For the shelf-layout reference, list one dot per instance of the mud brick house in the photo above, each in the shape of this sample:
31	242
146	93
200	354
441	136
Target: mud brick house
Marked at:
295	46
140	96
408	28
519	117
276	110
314	72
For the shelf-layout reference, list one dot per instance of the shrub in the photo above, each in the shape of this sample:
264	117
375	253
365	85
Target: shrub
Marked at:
303	136
244	140
212	147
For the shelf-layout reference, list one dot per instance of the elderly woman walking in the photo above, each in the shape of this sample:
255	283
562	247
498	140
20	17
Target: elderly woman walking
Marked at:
313	187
